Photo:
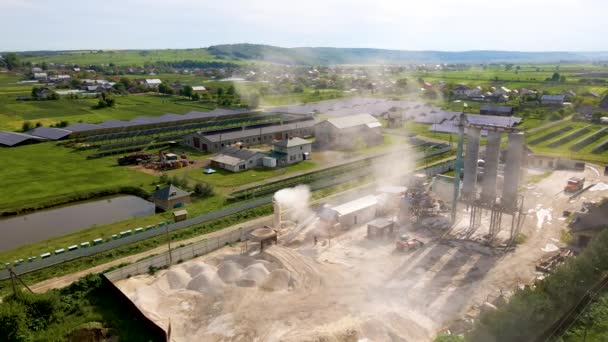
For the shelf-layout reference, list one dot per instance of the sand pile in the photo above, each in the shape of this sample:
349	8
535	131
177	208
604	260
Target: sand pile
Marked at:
277	280
229	271
256	273
173	279
198	267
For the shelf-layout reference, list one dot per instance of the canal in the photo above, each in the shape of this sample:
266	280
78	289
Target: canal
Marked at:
45	224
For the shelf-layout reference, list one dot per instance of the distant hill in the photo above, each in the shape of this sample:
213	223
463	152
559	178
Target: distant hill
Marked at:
303	55
327	55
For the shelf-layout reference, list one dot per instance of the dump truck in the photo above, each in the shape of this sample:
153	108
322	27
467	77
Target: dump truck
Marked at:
405	243
574	184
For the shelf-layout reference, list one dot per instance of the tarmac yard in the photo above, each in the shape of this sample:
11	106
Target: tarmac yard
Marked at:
351	288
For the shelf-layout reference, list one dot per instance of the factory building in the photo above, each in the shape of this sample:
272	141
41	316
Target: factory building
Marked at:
237	159
348	132
215	141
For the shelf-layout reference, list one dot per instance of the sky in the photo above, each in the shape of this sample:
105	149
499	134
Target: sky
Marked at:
447	25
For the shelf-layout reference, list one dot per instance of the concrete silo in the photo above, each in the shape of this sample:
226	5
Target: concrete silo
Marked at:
470	164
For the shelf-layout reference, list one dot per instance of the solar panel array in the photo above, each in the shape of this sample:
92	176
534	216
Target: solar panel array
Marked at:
13	138
166	118
49	133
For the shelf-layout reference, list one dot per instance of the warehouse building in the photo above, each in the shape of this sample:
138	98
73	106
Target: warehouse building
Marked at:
237	159
349	132
215	141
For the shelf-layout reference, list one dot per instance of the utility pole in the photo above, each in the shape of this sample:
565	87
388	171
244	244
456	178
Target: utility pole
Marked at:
169	244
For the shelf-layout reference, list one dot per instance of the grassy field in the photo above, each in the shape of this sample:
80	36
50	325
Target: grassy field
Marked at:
564	149
126	57
39	173
13	113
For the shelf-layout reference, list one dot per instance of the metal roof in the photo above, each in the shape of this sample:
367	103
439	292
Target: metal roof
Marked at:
559	97
49	133
14	138
253	132
295	141
353	121
170	192
356	205
501	109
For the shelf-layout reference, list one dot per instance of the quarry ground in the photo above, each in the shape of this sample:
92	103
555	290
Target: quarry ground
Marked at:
351	288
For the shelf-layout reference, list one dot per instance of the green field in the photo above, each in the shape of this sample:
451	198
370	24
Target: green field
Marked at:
43	173
126	57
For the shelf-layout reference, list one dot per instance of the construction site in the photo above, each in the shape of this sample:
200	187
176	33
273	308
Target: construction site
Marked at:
407	260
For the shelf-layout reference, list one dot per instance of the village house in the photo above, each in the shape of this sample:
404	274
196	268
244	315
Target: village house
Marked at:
496	110
170	197
151	82
461	90
589	221
291	151
552	100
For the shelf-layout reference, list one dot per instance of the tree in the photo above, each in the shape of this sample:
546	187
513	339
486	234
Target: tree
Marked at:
106	100
203	189
26	126
231	90
187	91
11	60
196	97
562	79
75	83
596	117
165	88
555	77
220	92
402	83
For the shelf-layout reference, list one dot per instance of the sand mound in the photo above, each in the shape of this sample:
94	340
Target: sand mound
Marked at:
199	267
256	272
229	271
176	278
277	280
206	282
146	298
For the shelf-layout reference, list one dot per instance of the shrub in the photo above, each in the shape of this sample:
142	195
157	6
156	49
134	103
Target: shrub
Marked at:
203	189
13	322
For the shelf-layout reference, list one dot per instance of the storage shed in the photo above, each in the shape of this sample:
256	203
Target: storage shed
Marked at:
356	212
171	197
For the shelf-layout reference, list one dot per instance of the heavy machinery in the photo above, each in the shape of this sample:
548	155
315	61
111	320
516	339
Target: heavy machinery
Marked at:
574	184
405	243
134	158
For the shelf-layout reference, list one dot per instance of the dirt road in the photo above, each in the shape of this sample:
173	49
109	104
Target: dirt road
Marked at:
59	282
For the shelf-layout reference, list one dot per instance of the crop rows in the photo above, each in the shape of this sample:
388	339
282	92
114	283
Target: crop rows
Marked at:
590	139
570	137
551	135
601	148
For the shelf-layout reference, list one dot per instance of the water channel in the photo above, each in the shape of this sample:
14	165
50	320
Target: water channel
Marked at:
45	224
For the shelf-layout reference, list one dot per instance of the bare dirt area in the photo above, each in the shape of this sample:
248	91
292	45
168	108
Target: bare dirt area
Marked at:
350	288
